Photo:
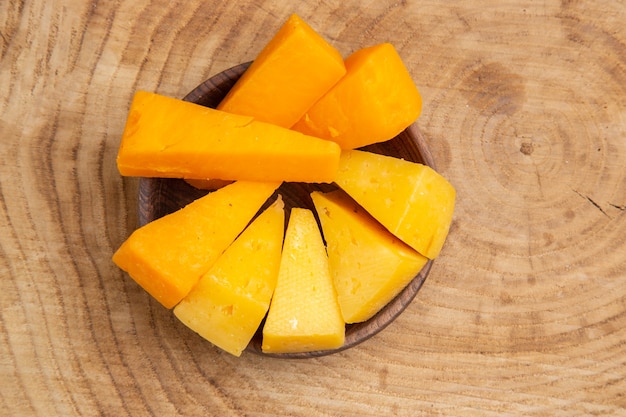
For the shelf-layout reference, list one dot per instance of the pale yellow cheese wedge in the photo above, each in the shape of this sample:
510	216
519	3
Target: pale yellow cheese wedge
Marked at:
229	302
411	200
304	315
369	265
167	256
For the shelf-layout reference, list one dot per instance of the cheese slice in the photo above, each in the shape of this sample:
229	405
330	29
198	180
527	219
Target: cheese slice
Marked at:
411	200
369	265
376	100
304	315
291	73
171	138
168	256
229	302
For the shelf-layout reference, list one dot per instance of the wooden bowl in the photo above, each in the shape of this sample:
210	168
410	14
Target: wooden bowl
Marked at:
160	196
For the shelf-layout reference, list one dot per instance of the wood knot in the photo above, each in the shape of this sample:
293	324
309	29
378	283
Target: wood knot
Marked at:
527	148
493	89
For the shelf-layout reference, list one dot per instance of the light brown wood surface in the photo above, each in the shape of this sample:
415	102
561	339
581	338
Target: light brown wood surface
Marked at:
524	312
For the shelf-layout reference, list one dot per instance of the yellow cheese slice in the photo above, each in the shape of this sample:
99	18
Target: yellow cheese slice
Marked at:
369	265
304	315
411	200
229	302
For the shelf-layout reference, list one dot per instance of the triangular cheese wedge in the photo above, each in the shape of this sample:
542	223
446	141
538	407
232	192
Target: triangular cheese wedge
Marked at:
167	256
170	138
411	200
376	100
304	315
292	72
229	302
369	265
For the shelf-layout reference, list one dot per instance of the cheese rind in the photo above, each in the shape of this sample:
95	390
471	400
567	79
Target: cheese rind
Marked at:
207	184
229	301
291	73
304	314
411	200
170	138
375	101
369	265
167	256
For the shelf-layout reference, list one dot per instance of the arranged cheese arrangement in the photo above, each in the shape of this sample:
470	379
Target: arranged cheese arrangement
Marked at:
235	263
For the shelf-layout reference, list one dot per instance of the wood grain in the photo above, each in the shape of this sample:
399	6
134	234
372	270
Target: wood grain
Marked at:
524	312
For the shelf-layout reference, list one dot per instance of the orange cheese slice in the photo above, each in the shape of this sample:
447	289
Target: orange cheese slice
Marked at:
167	256
373	102
290	74
171	138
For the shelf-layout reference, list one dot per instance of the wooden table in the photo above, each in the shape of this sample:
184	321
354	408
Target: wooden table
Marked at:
524	312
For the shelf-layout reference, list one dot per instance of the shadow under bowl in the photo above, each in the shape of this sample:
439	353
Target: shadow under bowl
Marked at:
161	196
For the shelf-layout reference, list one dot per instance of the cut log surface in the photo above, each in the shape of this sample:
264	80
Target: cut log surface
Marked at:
523	312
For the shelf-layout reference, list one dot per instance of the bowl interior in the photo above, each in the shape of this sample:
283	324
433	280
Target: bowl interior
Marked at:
160	196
